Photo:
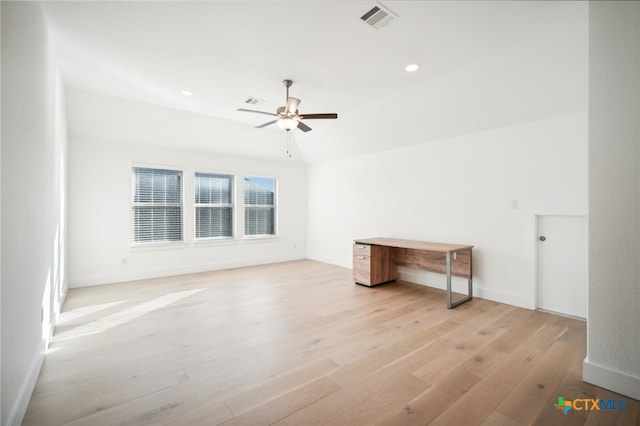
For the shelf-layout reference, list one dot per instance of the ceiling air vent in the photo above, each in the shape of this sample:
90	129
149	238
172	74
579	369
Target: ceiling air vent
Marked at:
252	101
378	17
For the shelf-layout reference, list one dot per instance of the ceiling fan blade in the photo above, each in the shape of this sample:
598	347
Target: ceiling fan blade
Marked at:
317	116
303	127
265	124
292	105
258	112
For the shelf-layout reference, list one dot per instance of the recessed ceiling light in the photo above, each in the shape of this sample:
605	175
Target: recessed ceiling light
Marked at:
185	93
412	67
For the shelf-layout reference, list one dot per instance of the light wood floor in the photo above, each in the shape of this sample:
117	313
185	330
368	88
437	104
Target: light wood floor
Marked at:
298	343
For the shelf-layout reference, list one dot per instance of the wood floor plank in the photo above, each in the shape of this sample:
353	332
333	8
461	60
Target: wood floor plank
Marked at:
481	400
571	387
208	414
531	394
424	408
285	404
379	316
465	344
298	343
359	397
499	419
96	397
380	399
273	388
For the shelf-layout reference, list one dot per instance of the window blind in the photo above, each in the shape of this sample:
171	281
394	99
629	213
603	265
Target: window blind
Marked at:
157	205
259	206
213	205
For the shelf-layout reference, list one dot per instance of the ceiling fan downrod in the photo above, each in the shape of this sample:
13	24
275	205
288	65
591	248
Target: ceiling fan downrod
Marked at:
287	84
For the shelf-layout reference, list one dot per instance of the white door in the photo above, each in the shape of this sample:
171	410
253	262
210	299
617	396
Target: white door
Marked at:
562	264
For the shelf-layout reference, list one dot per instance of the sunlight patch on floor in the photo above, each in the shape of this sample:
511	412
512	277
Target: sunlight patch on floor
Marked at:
124	316
68	316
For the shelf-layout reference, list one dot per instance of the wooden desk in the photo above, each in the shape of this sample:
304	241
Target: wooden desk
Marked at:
376	260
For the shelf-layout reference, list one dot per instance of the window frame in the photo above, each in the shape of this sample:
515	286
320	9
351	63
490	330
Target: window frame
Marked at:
231	204
159	244
275	208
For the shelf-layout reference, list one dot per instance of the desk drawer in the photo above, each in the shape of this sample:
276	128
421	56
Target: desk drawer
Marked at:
361	250
362	269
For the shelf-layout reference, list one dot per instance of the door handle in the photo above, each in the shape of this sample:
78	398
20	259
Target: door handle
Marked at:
542	238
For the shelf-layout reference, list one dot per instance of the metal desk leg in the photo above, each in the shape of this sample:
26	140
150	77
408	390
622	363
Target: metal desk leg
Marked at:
448	256
470	274
450	303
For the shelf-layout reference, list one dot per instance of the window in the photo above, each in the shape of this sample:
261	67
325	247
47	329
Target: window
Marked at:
213	205
259	206
157	205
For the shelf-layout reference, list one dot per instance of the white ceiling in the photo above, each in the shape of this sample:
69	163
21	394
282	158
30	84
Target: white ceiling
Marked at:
483	65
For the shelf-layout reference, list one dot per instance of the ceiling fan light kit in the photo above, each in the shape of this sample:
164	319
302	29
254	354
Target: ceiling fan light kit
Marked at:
288	117
287	123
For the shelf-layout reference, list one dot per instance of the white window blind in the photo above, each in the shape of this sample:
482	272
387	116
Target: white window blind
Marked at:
213	205
157	205
259	206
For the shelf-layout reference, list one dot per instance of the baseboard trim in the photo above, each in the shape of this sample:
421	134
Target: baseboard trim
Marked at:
608	378
432	279
19	406
330	260
166	272
460	285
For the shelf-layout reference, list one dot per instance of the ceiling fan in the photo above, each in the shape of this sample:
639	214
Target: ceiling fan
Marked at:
288	117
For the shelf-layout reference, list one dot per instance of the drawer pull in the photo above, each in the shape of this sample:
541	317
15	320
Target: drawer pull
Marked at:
360	247
361	257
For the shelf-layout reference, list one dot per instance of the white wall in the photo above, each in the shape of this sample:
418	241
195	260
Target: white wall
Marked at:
100	211
33	201
613	329
0	216
458	190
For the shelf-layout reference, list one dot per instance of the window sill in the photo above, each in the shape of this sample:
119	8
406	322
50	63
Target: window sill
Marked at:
215	242
261	238
157	246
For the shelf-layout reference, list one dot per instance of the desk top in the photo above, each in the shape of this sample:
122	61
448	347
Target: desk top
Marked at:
417	245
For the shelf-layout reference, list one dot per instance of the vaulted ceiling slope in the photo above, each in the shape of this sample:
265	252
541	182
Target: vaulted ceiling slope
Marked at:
483	65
